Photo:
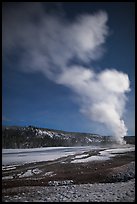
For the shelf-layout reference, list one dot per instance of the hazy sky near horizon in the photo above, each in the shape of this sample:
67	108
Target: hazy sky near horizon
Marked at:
45	50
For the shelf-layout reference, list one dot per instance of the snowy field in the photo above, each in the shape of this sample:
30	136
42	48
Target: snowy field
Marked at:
88	173
21	156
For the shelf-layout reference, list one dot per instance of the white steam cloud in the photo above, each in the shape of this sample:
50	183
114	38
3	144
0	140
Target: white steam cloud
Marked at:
102	96
51	44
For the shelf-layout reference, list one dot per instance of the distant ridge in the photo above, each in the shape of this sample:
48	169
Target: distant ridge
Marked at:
32	137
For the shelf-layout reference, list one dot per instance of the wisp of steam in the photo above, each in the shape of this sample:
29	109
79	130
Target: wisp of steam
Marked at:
57	47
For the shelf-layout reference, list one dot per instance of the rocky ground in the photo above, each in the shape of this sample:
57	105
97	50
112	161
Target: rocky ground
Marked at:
101	192
62	181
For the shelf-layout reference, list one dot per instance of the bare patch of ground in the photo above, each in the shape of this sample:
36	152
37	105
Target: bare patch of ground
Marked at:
52	175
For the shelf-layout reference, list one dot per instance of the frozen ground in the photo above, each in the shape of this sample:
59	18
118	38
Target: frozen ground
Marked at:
62	174
20	156
103	155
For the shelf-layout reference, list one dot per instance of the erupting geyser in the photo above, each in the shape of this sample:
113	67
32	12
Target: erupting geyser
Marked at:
57	47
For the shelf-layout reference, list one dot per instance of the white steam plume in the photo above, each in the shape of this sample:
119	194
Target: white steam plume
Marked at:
51	44
102	96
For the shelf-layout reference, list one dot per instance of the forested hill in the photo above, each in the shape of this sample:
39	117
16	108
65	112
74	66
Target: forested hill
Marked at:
32	137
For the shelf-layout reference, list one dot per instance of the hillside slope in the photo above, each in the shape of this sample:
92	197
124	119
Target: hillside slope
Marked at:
32	137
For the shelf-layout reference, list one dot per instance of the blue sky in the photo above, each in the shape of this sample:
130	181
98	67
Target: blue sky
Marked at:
31	96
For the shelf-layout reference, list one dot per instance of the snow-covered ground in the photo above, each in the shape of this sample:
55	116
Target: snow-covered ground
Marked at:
21	156
103	155
66	190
